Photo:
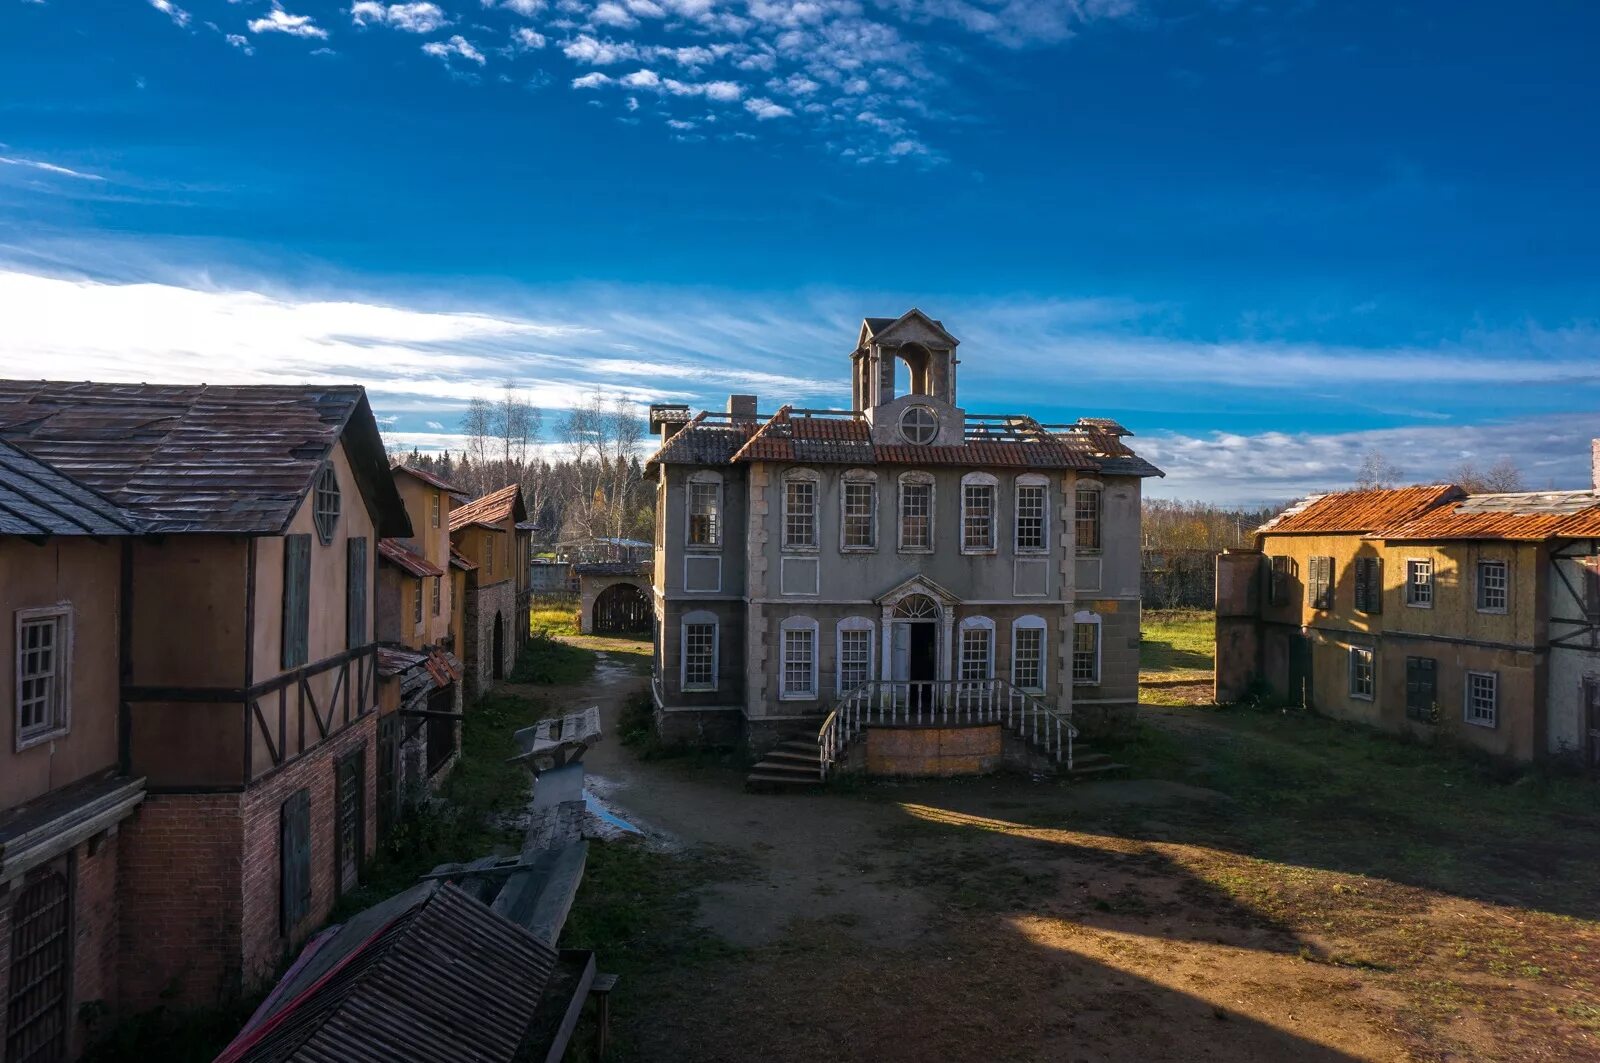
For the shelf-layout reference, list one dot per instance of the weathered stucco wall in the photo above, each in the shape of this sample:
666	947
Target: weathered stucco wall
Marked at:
934	751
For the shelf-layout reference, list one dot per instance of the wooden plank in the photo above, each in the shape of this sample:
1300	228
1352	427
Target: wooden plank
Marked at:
541	901
580	994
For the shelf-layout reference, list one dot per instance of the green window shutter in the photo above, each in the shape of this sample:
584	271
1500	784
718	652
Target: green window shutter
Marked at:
296	599
356	599
1375	586
294	859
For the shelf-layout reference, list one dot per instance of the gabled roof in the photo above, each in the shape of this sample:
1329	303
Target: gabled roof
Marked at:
1359	512
200	457
880	327
708	439
1531	516
429	478
36	499
492	510
396	553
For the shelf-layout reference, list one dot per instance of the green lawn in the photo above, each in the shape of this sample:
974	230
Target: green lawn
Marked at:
1176	655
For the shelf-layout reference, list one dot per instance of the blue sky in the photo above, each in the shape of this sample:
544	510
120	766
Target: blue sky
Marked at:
1265	236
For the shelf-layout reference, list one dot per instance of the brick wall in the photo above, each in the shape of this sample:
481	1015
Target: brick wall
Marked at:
264	946
96	942
179	926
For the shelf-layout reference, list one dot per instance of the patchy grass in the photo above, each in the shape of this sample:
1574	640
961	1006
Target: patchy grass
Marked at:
1176	657
550	661
554	616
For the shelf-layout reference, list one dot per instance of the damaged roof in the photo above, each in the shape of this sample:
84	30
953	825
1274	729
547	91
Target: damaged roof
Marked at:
492	510
708	439
36	499
1530	516
1358	511
429	478
396	553
200	457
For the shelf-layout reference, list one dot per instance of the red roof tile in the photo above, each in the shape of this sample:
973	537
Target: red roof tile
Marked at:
1359	511
1521	517
495	508
459	560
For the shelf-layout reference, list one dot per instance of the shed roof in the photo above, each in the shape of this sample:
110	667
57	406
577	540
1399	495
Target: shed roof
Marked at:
36	499
1358	511
200	457
396	553
493	509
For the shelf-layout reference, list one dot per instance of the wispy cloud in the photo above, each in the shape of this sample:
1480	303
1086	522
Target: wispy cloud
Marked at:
280	21
421	17
49	167
457	46
178	15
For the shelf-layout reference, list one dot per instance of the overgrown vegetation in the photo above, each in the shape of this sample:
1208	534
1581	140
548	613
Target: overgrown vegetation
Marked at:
548	661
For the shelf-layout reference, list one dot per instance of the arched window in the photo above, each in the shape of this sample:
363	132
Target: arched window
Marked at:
1085	648
1028	637
800	502
325	504
977	648
699	652
798	659
916	357
854	648
978	513
858	511
916	607
916	513
1032	514
703	510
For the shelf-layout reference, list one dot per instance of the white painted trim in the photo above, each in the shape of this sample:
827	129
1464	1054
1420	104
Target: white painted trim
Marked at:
1350	672
858	476
702	476
1405	596
1016	569
981	479
66	627
701	557
1032	622
816	584
798	623
1466	699
801	475
852	623
916	476
1477	577
1030	479
974	623
1084	616
699	617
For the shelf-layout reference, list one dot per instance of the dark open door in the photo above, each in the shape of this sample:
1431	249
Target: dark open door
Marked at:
349	821
499	665
1299	692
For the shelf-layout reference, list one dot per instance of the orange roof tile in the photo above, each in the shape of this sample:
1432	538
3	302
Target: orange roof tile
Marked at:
495	508
395	552
1531	516
1358	511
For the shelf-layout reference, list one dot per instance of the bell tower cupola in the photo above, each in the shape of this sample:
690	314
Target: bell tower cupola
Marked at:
902	356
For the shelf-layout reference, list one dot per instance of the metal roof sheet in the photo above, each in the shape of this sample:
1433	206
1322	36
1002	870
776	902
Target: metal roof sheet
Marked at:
396	553
1520	517
1358	511
459	560
429	478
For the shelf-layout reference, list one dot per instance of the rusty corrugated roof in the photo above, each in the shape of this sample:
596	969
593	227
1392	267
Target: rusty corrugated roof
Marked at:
396	553
1531	516
1359	511
36	499
491	510
199	457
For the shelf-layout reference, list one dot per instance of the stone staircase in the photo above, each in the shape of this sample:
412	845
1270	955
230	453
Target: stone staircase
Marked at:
794	764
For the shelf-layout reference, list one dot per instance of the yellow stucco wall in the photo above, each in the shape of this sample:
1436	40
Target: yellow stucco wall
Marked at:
933	751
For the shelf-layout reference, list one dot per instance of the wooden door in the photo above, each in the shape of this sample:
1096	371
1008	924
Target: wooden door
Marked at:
388	775
349	821
40	989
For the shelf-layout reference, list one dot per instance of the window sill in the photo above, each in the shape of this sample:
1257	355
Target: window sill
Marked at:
797	697
1494	612
1488	725
1088	551
702	548
1419	605
915	550
698	689
42	738
979	551
1086	682
1032	551
808	551
858	549
1361	697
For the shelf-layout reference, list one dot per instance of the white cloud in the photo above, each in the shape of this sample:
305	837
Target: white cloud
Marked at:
457	45
49	167
610	13
280	21
525	8
592	80
527	40
586	49
435	425
764	108
178	15
420	17
240	42
794	85
642	79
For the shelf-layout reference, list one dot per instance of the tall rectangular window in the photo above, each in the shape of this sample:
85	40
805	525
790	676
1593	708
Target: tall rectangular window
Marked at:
1493	586
855	658
977	517
44	643
357	578
1422	688
1278	591
1363	673
800	662
860	515
437	595
977	653
1027	658
916	516
1483	698
1369	584
296	599
1319	588
799	514
433	509
1419	583
1031	536
1086	653
705	514
416	604
699	656
294	860
1086	524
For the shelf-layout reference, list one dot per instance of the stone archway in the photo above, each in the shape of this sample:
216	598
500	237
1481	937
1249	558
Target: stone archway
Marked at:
622	609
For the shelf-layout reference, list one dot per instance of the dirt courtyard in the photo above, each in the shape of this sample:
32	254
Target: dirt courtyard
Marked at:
1181	913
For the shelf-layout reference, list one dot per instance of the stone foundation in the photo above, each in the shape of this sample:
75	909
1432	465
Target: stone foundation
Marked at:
1104	721
934	751
699	727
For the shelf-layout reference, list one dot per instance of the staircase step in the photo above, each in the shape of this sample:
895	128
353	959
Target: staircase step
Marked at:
812	758
808	748
1089	760
761	778
781	767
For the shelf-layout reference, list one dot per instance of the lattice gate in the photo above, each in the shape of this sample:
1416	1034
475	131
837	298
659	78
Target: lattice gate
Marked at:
41	939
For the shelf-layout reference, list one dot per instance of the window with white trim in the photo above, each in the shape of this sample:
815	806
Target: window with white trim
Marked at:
433	509
699	651
799	658
1086	648
1494	586
855	649
916	512
1027	653
325	504
977	649
1419	583
977	512
1363	673
799	512
858	513
44	669
705	510
1086	518
1033	535
1482	693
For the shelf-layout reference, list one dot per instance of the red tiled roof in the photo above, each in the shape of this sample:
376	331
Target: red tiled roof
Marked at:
847	438
429	478
1359	511
492	509
1519	517
395	552
708	439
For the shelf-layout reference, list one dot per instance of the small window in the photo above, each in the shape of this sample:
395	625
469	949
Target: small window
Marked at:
1319	588
416	605
799	513
1483	699
1363	673
977	513
1369	584
1589	570
1087	521
433	510
1419	583
977	649
919	425
1027	654
1032	533
855	653
1422	689
916	514
860	515
1085	650
1493	586
699	652
437	594
44	670
705	513
325	504
1282	570
799	658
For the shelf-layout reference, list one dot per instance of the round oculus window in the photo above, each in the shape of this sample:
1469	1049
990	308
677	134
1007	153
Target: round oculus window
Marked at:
919	425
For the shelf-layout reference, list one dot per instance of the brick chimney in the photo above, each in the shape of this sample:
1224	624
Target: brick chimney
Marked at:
742	408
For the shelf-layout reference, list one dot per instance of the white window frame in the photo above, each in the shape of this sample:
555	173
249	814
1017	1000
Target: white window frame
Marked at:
699	618
1031	623
1083	487
1415	566
433	510
60	721
992	484
984	626
920	479
703	479
794	476
797	625
857	477
1505	588
853	624
1370	655
1030	481
1085	617
1468	712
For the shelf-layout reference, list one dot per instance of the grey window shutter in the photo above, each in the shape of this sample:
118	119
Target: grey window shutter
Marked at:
296	598
295	859
1375	586
356	599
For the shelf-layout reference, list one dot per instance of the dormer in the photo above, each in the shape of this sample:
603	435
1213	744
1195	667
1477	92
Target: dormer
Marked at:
907	355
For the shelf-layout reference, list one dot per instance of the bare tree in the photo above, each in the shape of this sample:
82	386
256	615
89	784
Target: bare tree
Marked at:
1377	472
1502	476
477	426
601	439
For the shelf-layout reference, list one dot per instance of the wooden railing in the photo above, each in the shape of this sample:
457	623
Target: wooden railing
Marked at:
903	703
